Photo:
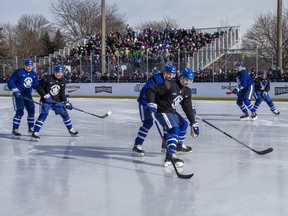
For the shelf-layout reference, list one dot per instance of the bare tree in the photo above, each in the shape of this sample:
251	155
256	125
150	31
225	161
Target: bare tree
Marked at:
115	20
3	49
263	35
79	19
158	25
24	39
10	40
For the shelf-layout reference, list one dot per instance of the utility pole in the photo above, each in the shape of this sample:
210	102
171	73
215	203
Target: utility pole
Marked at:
279	35
103	37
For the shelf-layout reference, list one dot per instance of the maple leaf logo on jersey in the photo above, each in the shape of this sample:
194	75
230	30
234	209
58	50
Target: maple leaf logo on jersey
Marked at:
54	90
28	82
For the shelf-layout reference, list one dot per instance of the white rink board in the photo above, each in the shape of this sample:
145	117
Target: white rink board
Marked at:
201	90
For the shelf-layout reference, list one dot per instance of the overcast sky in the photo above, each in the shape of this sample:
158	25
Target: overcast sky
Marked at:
188	13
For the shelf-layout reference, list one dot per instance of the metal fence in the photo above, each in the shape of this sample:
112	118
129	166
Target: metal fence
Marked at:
88	68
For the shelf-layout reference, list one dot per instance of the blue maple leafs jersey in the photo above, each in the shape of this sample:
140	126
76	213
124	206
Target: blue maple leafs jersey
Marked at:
24	81
244	79
156	78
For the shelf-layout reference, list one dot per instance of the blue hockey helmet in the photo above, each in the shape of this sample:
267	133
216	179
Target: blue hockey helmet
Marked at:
28	62
169	68
188	73
239	64
58	69
263	72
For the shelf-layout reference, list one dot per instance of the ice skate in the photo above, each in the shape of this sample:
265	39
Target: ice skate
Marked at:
168	163
245	116
35	137
16	134
138	151
30	130
183	149
163	147
276	112
254	116
73	133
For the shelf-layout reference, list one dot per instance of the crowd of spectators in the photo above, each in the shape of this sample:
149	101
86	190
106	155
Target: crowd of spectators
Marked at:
157	45
132	56
3	79
128	54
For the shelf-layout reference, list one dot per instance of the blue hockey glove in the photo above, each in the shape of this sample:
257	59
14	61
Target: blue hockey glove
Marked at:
194	129
236	90
68	105
16	93
151	107
48	98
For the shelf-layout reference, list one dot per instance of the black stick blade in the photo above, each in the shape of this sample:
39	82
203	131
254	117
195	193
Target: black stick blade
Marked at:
106	115
188	176
266	151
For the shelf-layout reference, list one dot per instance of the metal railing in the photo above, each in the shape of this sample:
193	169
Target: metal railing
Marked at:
205	57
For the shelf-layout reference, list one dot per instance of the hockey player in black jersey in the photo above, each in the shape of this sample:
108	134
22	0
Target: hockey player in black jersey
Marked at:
163	100
157	78
52	91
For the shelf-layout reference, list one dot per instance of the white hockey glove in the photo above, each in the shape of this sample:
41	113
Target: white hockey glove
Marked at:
194	129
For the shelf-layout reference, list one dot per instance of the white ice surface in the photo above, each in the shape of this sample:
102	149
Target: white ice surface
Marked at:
95	173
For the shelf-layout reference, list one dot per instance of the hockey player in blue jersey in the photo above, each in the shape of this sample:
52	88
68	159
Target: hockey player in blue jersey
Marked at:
52	91
261	89
163	99
244	92
147	121
21	83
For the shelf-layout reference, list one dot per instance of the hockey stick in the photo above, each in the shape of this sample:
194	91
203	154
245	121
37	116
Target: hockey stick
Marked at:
41	105
231	90
169	155
266	151
31	100
103	116
228	93
98	116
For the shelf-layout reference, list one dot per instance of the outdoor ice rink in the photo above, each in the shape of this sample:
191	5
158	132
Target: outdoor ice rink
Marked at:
95	174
